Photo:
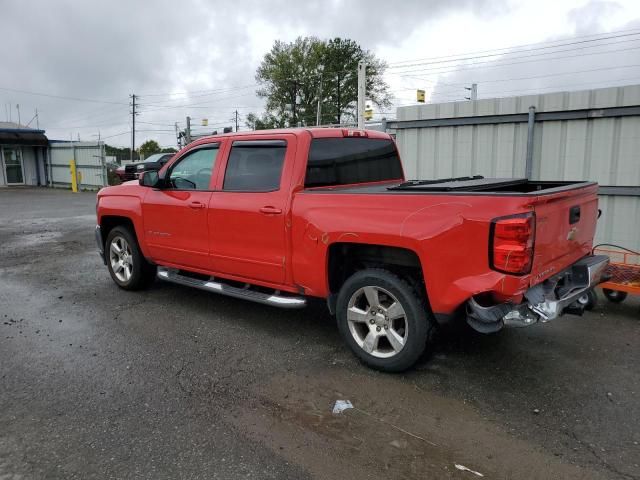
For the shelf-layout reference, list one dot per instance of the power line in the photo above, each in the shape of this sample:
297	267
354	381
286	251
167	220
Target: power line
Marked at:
206	104
197	91
572	72
456	68
75	99
155	123
510	50
129	131
168	101
636	78
91	113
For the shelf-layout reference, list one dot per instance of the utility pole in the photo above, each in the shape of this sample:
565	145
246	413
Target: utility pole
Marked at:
133	124
188	131
236	120
18	108
37	120
319	109
474	92
294	98
339	99
362	91
178	137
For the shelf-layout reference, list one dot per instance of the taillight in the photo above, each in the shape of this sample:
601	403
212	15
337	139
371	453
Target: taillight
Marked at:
511	243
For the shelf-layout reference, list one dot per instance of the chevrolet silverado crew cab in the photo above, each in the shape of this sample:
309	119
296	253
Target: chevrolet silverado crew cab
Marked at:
279	216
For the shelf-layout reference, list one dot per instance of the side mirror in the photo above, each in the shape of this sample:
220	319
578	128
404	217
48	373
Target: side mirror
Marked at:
150	178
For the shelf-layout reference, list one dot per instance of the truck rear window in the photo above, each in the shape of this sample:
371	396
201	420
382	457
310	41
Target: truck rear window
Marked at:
345	161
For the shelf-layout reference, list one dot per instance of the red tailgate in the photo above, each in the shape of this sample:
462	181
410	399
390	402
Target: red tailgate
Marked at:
565	227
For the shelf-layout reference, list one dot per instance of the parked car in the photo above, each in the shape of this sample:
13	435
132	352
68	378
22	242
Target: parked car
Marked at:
132	171
279	216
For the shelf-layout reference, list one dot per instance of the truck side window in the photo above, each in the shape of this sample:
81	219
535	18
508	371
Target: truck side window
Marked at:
255	166
349	160
194	170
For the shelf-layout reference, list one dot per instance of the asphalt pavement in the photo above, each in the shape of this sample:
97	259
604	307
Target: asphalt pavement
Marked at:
173	382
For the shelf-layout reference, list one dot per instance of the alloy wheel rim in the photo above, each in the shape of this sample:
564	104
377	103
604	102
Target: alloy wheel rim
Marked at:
377	321
121	258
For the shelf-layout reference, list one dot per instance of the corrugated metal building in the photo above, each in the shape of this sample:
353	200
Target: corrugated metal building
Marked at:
581	135
90	163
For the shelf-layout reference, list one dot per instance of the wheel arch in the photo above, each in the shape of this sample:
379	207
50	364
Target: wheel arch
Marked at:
346	258
109	222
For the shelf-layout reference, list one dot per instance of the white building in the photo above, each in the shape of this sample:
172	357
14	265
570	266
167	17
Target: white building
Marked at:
23	154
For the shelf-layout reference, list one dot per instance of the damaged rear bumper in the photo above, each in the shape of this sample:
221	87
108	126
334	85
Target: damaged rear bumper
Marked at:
544	302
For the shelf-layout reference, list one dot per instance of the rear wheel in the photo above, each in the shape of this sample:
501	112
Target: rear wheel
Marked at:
383	320
614	296
127	266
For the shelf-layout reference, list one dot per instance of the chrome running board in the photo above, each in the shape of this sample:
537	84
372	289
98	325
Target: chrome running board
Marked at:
211	285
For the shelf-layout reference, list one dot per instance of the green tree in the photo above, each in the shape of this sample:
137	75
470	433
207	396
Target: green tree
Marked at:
293	76
149	148
121	153
168	150
262	123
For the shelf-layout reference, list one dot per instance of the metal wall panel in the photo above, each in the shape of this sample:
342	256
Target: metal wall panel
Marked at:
2	179
606	150
90	163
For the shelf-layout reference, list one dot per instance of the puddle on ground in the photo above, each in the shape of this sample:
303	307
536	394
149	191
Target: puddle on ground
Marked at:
395	430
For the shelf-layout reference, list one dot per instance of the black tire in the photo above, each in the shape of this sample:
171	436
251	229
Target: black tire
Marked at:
614	296
589	300
416	325
142	272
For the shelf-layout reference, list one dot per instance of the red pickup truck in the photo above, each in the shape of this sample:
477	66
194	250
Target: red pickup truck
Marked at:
279	216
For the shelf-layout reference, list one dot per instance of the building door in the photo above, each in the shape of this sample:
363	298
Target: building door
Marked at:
13	166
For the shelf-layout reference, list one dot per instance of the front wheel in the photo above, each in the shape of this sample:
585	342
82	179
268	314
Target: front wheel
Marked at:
127	266
383	320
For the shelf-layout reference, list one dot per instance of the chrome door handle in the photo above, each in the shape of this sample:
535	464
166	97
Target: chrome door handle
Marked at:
269	210
196	205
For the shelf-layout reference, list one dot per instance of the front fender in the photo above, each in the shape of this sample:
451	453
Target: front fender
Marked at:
125	206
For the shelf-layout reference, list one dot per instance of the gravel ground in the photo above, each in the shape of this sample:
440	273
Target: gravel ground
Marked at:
173	382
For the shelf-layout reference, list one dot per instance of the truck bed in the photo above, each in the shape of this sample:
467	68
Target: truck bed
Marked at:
476	185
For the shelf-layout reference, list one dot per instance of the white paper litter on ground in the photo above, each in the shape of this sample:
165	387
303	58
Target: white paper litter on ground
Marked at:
465	469
342	405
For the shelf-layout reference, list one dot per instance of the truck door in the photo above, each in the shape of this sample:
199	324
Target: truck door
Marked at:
249	209
176	217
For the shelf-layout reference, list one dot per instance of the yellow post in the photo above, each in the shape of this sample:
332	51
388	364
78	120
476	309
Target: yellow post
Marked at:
74	176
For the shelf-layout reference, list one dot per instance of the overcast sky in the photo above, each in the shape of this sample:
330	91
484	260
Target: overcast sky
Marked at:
198	57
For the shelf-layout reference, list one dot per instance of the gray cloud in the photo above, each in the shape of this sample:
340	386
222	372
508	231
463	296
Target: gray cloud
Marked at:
107	50
575	67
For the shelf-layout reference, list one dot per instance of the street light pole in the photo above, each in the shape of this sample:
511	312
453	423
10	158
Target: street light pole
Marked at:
362	92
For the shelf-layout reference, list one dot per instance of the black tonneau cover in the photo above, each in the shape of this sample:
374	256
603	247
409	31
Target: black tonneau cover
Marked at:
466	184
475	185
